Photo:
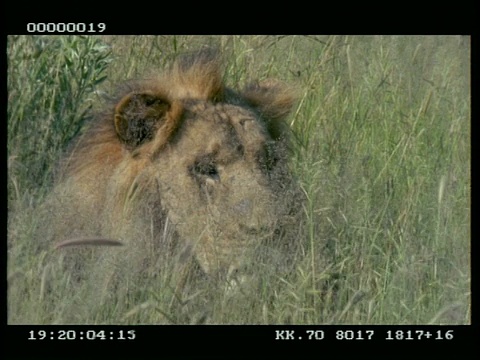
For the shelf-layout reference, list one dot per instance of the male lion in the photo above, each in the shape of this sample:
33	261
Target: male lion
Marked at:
182	154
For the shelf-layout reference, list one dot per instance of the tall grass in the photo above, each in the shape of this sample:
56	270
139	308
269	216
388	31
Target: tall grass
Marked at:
381	150
50	92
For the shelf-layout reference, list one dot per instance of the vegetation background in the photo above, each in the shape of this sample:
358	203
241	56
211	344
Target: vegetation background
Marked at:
381	150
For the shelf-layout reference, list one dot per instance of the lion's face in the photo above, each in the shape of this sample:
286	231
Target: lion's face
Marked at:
185	149
218	189
217	179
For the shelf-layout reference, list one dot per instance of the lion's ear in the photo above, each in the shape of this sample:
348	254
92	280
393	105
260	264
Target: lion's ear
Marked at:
274	100
138	116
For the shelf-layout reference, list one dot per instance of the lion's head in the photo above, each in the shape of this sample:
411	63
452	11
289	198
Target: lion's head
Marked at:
186	149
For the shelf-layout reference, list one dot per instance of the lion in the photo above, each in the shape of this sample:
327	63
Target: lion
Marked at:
182	163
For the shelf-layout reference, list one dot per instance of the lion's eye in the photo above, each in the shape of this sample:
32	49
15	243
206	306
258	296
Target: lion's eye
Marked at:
209	170
205	169
268	158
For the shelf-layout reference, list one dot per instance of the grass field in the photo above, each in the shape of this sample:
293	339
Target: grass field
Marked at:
381	150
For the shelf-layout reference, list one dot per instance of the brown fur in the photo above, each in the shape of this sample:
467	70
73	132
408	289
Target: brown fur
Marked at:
183	148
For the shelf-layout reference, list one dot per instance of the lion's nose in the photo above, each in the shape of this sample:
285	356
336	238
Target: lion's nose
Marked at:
243	207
